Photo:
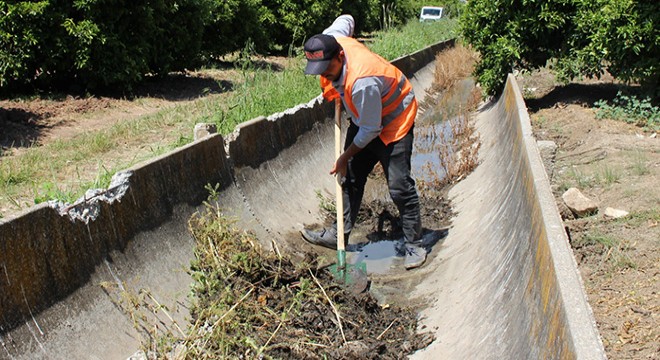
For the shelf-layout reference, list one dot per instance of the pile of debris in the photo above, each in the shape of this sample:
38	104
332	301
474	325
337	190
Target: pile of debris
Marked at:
250	303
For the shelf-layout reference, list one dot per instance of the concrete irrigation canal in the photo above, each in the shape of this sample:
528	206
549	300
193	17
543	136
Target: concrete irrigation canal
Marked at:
502	284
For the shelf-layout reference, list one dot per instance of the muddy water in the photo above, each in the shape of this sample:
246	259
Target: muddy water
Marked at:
380	257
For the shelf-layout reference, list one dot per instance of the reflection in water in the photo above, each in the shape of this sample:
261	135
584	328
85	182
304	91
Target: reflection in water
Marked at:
380	256
436	132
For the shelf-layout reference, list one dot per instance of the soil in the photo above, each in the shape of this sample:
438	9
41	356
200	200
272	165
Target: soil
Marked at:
36	121
614	163
617	165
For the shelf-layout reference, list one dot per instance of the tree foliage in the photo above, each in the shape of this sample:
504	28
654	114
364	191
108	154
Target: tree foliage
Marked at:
94	44
577	37
232	22
19	38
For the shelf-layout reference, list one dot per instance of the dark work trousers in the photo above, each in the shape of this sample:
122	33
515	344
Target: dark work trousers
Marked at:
395	160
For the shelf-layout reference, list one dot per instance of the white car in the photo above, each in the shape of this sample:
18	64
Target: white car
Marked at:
430	13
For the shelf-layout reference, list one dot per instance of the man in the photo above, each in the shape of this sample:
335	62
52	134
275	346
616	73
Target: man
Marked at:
382	107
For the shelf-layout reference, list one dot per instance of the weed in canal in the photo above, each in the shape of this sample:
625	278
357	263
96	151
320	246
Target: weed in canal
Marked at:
250	302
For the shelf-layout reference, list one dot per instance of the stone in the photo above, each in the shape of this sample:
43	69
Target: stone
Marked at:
614	213
139	355
354	349
203	130
579	204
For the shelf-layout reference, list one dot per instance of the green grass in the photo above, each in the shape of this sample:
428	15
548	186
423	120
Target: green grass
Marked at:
641	218
326	203
611	174
607	241
264	92
42	170
414	36
584	179
639	163
541	121
614	250
580	179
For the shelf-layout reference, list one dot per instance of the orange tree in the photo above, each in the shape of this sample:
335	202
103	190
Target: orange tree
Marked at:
95	43
90	45
576	37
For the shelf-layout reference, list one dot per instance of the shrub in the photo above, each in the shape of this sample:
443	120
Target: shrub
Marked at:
18	39
233	23
578	37
630	109
96	44
88	45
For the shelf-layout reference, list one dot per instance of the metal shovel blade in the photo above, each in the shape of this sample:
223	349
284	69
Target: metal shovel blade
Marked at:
352	276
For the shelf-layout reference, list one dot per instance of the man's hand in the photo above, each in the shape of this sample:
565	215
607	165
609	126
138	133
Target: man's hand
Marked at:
341	165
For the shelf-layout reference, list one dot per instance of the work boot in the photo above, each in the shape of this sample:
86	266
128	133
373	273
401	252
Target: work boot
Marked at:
415	255
324	237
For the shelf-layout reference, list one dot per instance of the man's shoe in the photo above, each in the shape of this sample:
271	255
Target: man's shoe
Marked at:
415	256
400	248
325	237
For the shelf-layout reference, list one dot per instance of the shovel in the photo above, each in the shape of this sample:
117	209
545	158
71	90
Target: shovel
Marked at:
352	276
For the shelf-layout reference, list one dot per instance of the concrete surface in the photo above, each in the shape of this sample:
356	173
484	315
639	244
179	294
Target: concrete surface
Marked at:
504	283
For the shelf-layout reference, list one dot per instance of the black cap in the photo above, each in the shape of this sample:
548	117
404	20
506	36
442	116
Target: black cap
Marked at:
319	50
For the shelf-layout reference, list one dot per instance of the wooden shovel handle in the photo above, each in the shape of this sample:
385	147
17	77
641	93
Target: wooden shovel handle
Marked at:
339	197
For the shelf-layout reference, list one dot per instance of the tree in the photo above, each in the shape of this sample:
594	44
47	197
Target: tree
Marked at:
93	44
233	23
89	45
580	37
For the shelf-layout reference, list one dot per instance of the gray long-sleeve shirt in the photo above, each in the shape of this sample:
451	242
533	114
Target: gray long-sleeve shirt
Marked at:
367	92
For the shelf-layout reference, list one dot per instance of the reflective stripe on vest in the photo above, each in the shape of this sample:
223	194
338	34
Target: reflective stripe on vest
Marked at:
399	104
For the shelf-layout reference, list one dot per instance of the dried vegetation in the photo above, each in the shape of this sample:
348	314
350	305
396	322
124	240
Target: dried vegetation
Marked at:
253	303
455	100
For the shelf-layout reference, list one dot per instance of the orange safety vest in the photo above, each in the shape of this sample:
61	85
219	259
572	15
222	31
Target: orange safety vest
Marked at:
360	62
